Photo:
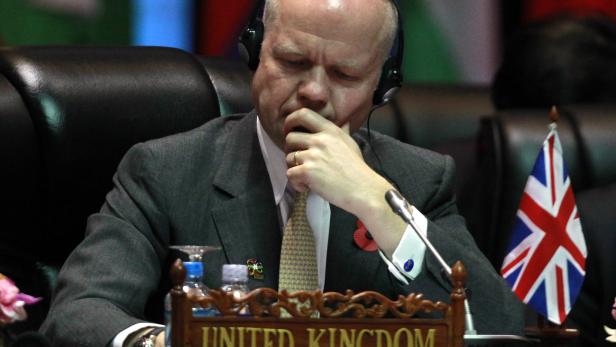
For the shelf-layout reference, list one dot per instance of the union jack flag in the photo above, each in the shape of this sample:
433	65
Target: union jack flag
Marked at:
545	264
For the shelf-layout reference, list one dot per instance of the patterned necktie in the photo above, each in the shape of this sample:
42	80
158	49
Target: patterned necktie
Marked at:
298	261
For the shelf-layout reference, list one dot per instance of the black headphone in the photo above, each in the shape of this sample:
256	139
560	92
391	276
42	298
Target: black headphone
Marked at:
391	77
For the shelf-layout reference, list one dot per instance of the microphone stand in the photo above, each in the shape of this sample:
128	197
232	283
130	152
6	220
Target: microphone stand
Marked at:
402	208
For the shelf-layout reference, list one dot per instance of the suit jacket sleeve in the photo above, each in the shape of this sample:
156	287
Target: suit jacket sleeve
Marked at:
426	179
110	275
495	308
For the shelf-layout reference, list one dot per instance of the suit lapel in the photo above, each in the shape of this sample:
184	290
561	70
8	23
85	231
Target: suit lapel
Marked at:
247	222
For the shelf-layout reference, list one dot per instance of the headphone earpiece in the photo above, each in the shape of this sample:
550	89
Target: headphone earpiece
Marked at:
250	43
389	83
391	74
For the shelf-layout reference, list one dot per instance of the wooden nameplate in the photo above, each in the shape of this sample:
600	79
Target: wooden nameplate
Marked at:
265	317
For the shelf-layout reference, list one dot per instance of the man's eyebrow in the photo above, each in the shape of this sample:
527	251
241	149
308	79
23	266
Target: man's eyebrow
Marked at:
350	65
354	65
285	48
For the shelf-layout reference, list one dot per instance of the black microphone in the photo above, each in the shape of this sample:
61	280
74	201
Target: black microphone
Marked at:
31	339
402	208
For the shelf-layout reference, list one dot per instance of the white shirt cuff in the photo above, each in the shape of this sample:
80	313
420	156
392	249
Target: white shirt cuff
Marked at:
118	340
407	260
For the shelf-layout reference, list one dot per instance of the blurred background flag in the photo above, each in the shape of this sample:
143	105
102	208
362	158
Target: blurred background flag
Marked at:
177	31
538	9
65	22
84	8
219	25
545	264
450	43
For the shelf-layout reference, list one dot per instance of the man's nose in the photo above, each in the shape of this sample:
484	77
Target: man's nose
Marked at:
313	90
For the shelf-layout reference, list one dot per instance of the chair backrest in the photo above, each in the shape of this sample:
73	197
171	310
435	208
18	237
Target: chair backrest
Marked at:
68	115
432	115
88	106
509	143
19	155
230	79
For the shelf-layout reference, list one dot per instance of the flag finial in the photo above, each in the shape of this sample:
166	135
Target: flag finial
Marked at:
554	114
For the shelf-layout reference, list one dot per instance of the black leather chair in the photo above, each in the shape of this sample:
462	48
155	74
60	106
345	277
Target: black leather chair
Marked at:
509	143
19	158
67	116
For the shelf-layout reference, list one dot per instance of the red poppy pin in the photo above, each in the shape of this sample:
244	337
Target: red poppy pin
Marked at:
363	239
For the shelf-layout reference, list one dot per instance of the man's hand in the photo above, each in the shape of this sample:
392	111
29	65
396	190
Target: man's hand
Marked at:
327	160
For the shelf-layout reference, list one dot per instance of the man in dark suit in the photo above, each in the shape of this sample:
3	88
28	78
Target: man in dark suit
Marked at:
230	183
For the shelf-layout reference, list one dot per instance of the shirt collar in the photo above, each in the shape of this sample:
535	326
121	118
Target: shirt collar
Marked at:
275	161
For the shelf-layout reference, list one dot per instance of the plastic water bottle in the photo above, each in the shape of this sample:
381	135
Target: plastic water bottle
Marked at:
193	284
235	281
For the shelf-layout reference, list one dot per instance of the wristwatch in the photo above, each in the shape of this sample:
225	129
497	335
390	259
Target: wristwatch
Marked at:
149	339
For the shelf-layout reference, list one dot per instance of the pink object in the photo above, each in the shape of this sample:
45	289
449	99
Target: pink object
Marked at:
12	302
614	309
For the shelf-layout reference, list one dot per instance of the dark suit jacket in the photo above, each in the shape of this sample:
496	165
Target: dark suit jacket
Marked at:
592	309
210	186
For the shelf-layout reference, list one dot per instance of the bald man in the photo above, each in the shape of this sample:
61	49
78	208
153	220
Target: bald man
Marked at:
231	182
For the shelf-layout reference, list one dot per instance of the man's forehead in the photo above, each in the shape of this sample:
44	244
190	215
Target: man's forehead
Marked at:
340	19
344	5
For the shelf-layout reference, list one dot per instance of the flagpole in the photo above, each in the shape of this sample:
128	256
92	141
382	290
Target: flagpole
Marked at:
554	116
545	330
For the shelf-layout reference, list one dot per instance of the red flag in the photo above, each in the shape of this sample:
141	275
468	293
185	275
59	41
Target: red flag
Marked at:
538	9
220	23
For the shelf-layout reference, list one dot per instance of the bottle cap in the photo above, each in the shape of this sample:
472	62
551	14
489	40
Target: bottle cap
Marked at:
193	268
234	273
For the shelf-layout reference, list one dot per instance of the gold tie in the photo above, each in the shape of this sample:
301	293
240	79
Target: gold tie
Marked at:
298	261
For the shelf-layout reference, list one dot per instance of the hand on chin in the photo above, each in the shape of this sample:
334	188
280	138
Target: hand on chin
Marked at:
325	159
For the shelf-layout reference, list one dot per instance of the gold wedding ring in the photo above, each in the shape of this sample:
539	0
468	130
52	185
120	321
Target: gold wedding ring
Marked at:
295	158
